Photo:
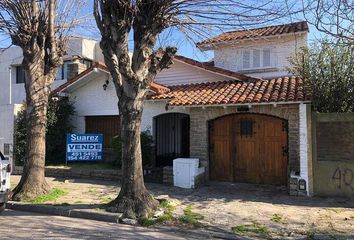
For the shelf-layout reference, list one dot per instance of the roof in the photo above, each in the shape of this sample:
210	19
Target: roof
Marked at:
257	33
286	89
157	88
211	68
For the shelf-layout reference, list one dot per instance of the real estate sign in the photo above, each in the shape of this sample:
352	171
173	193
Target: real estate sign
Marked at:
84	147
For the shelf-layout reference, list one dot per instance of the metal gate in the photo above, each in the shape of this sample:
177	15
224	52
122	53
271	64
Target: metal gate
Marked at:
172	137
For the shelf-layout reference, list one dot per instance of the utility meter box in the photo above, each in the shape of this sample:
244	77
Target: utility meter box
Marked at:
185	172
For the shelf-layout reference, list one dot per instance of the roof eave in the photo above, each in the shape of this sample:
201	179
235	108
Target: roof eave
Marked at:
239	104
212	46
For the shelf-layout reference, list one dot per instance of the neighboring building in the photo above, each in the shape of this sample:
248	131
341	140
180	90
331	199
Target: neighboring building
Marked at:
12	77
241	127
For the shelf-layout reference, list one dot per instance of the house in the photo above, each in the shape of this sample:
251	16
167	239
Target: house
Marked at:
242	115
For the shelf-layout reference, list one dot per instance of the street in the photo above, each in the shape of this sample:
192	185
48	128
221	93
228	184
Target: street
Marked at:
24	225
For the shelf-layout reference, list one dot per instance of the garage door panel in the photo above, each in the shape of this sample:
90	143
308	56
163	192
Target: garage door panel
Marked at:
251	145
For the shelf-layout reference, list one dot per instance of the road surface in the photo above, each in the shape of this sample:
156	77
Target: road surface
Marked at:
24	225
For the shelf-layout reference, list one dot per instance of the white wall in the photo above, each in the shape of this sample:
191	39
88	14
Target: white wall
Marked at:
230	56
11	57
182	73
155	108
91	100
7	123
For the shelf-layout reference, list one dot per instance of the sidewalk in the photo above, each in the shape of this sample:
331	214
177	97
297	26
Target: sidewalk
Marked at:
223	206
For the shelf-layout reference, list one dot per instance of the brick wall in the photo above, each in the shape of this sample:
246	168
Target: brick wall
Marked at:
335	141
199	129
334	154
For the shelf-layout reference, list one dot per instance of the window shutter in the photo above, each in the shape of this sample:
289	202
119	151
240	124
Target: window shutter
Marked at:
266	57
256	58
246	59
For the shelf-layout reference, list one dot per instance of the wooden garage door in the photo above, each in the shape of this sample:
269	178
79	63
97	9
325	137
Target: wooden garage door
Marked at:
249	148
109	126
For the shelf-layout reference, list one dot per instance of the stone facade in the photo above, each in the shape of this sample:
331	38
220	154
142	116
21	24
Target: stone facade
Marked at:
200	117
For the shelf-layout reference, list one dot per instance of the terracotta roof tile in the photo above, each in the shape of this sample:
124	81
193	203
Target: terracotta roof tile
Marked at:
257	33
287	89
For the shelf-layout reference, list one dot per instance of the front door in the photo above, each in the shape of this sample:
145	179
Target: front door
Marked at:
250	148
172	137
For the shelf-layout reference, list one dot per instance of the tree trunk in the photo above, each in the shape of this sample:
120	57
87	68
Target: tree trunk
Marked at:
33	181
134	201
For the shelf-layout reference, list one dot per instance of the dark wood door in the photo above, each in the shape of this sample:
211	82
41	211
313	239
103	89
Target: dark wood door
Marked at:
109	126
249	148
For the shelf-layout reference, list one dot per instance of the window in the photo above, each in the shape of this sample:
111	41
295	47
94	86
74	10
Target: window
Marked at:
246	128
266	57
20	75
246	59
257	59
63	70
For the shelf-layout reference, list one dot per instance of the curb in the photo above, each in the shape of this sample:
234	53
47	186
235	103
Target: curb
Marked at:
60	211
113	218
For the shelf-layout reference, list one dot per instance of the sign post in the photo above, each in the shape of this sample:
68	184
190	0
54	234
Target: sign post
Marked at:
84	147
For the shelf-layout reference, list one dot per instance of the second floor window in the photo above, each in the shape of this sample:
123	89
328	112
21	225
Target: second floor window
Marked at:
20	75
62	73
257	59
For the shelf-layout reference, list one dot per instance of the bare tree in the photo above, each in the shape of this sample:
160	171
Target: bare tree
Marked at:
133	75
335	18
40	31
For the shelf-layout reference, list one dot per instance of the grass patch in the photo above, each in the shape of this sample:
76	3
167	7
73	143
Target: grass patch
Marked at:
93	190
277	218
167	206
255	228
352	217
163	218
336	210
191	217
77	202
12	186
106	200
51	196
147	222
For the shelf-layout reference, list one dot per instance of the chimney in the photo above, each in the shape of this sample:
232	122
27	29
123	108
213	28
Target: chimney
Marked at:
75	68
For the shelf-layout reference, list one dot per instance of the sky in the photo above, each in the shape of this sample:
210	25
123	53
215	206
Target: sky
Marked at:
174	37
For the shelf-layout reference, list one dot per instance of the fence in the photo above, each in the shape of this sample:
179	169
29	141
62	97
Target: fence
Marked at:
333	141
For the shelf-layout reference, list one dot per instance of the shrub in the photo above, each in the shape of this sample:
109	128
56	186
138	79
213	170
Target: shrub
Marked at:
58	124
146	149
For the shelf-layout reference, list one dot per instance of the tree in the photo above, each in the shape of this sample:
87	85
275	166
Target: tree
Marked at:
133	74
59	113
37	28
328	71
334	18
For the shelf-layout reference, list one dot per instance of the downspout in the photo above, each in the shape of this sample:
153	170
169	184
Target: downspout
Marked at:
10	86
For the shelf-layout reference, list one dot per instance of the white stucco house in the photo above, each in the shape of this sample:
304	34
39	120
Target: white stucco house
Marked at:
242	115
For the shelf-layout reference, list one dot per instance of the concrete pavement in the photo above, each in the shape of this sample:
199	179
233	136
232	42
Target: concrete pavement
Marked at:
24	225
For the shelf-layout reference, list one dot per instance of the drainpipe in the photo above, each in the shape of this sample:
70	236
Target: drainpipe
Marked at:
10	86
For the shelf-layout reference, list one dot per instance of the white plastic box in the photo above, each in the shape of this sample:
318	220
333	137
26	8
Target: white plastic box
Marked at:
185	170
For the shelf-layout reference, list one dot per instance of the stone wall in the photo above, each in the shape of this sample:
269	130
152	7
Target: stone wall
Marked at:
200	117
